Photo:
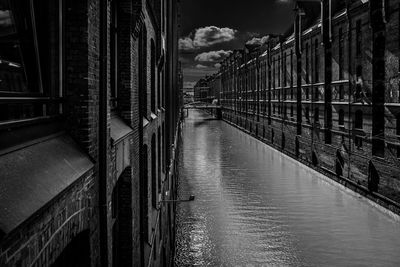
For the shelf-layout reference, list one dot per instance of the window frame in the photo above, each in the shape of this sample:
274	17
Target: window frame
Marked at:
53	96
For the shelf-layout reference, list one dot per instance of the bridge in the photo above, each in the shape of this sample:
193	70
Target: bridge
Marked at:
214	108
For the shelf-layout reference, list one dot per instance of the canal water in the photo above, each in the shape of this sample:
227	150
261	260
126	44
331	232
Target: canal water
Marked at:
257	207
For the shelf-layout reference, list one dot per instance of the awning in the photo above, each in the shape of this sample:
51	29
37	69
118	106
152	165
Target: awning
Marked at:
119	129
32	176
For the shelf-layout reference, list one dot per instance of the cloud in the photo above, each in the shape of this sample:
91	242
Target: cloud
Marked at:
206	37
5	18
257	41
217	65
199	66
212	56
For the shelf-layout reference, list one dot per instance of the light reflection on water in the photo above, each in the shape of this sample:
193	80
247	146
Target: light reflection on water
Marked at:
256	207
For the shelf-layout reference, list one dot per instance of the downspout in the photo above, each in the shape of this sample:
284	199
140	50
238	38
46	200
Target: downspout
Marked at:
103	135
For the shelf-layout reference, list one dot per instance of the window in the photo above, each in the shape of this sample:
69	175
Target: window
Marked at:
114	53
307	114
358	122
316	64
341	92
316	115
341	117
279	71
358	38
307	93
291	111
30	60
291	69
285	70
153	76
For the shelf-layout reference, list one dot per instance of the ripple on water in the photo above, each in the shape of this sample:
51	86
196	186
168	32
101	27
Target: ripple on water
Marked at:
255	207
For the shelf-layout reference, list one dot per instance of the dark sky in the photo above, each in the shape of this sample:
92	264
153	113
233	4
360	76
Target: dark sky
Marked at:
234	23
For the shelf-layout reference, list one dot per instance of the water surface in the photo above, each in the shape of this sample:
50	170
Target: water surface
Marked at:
257	207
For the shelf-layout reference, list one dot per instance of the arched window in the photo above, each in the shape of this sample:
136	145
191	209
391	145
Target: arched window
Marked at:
358	122
341	117
153	76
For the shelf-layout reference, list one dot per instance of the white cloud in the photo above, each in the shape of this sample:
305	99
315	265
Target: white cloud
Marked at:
206	37
217	65
5	18
199	66
212	56
257	41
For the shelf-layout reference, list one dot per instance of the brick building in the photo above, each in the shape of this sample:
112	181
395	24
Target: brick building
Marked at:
88	132
326	92
208	88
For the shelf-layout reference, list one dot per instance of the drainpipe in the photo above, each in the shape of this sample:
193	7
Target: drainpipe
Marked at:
102	163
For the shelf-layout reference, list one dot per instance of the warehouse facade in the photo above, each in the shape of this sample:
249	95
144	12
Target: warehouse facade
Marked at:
327	93
88	132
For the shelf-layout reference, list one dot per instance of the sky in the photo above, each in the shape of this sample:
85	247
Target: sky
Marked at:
211	29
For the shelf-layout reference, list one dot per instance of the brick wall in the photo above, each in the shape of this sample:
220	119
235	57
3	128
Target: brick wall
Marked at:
340	151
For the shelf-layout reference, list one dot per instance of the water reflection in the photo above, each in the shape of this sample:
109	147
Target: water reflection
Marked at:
255	207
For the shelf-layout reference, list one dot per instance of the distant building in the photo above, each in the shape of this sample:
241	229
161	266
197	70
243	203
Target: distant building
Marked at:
327	93
208	88
188	95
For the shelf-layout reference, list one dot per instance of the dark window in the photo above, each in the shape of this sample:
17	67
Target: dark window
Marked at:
114	53
291	69
30	59
291	111
341	117
358	38
358	141
279	71
153	76
358	122
307	114
341	92
285	70
316	115
307	93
